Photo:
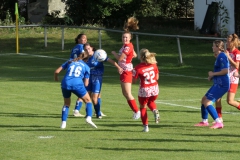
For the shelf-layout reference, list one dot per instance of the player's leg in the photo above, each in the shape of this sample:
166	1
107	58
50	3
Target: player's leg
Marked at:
96	89
204	111
100	102
96	104
204	115
78	106
212	96
153	107
231	96
143	108
66	95
126	85
86	98
83	94
218	106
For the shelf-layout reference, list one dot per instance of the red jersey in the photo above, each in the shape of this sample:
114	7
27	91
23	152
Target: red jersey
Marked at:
235	55
126	63
148	79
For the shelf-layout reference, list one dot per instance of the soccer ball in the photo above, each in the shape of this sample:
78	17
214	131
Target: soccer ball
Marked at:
100	55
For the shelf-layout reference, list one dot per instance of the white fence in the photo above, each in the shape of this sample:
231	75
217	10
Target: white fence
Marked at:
120	31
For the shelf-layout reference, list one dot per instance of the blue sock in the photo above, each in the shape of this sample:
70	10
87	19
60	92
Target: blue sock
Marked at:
78	105
65	110
99	101
212	111
204	112
97	109
89	109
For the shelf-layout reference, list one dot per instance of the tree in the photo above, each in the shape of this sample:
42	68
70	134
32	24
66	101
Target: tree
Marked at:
5	6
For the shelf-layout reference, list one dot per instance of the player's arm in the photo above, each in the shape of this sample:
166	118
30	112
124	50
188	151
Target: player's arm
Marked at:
231	61
122	56
120	70
224	71
157	76
115	55
86	81
236	74
57	71
134	76
234	64
135	80
134	54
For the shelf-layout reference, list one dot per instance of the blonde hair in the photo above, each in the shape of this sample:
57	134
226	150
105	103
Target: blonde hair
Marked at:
234	42
131	24
83	56
147	57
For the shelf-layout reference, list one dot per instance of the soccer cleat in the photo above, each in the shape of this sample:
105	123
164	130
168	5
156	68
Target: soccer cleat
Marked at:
63	125
89	121
217	125
136	115
156	115
202	124
99	117
77	114
145	128
103	115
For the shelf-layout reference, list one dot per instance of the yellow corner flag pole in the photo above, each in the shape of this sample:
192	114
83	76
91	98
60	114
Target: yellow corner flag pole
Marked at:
17	16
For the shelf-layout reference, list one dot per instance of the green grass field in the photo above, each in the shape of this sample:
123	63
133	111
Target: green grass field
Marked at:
31	104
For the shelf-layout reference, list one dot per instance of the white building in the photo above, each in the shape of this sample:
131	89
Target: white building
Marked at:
233	9
37	9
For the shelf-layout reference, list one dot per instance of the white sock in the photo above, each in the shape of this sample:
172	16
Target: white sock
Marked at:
205	120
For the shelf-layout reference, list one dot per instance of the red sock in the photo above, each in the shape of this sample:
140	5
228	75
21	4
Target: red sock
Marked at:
238	107
152	105
219	111
132	103
144	116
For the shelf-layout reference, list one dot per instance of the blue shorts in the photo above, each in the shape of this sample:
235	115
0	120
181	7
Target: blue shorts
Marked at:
216	92
79	92
95	84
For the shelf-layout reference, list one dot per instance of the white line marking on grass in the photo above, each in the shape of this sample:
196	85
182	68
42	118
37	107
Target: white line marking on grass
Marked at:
6	54
42	56
45	137
179	75
33	55
191	107
178	105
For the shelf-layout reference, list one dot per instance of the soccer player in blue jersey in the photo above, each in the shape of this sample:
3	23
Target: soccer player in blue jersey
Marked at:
221	84
95	80
75	81
80	40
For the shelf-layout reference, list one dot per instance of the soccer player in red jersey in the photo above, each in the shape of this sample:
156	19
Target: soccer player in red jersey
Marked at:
147	72
233	55
124	57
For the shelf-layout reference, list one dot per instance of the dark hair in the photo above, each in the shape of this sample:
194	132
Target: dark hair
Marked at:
78	37
219	44
88	44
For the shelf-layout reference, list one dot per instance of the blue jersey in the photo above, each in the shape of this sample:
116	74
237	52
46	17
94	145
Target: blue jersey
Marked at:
96	68
221	63
75	73
76	51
